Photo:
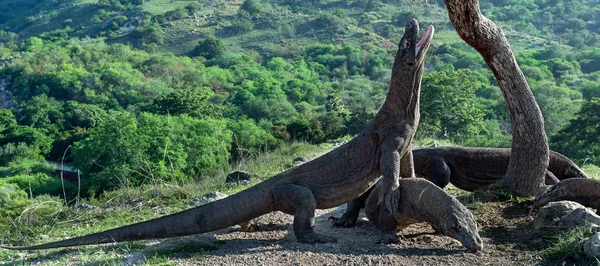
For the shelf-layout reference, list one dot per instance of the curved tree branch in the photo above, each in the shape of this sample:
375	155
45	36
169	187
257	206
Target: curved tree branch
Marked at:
529	156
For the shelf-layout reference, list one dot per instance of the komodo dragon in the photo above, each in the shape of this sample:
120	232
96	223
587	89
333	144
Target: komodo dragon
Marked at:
580	190
328	181
471	168
423	201
466	168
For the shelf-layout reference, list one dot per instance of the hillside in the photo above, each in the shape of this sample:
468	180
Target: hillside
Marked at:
283	28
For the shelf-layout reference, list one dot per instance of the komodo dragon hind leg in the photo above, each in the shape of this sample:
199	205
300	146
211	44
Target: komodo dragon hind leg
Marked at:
407	168
438	171
300	202
353	208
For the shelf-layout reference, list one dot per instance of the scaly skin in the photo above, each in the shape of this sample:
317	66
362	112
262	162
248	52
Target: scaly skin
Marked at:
330	180
583	191
466	168
471	168
422	201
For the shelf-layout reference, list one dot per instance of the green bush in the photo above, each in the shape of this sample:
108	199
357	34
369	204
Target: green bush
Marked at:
125	150
40	184
24	217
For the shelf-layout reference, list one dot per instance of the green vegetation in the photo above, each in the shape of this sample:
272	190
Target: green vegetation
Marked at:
157	94
570	245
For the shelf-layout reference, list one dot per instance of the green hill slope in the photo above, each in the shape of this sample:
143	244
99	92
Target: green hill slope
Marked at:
283	28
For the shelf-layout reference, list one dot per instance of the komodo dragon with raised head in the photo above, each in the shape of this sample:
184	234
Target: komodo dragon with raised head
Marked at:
583	191
471	168
423	201
328	181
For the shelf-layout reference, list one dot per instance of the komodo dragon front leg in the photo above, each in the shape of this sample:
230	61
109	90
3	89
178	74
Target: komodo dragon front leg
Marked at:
393	165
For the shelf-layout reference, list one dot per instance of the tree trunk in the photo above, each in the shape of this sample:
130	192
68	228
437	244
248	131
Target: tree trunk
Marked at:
529	156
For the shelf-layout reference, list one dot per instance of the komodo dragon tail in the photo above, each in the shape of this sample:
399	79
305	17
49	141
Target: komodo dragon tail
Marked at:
223	213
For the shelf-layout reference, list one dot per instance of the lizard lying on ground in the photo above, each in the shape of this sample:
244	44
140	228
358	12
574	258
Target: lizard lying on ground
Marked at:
422	201
328	181
583	191
471	168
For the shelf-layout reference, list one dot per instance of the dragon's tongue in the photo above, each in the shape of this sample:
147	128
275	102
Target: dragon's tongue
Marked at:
425	36
531	211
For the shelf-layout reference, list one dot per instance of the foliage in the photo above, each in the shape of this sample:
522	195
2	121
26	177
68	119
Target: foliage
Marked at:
448	104
209	48
150	148
191	102
569	244
580	138
253	7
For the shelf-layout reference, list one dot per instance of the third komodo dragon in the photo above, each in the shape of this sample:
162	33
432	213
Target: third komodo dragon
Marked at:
328	181
422	201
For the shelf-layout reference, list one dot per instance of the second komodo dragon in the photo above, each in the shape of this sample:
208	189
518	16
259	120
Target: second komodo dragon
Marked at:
328	181
422	201
471	168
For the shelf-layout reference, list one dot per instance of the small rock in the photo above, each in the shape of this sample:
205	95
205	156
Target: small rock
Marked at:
300	160
208	198
238	177
579	217
591	246
548	216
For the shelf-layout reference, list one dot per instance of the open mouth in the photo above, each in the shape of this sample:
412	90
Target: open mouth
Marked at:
425	39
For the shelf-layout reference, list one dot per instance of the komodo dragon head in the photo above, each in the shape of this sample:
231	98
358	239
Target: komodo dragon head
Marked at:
410	58
569	188
461	226
581	190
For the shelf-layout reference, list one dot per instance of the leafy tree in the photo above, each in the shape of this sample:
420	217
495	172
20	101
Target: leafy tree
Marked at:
81	115
581	137
149	34
127	151
43	113
253	7
191	102
557	103
209	48
448	104
249	138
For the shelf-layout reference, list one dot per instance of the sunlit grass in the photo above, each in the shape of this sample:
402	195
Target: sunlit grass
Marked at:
591	170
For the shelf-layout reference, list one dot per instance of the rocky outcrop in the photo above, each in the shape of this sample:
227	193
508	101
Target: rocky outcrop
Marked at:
591	246
548	217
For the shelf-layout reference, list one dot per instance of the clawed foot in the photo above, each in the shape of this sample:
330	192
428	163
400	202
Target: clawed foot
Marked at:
313	238
390	198
248	227
343	221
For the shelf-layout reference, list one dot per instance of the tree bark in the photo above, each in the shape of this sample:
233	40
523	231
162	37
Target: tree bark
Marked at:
529	155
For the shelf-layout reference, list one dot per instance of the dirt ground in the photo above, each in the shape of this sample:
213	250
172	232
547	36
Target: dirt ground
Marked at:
506	231
508	235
